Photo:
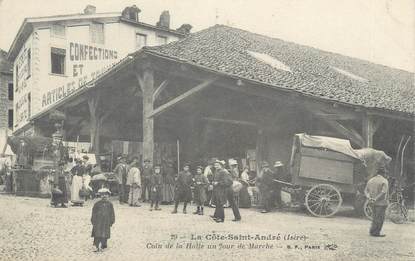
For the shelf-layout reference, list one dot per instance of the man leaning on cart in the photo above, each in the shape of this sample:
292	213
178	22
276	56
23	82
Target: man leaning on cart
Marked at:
377	192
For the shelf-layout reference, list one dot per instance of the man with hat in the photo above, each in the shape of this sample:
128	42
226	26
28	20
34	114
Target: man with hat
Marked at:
156	188
103	217
222	187
279	175
377	192
121	171
200	197
183	190
267	187
146	173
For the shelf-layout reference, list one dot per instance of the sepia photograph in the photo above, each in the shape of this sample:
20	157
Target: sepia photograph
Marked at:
207	130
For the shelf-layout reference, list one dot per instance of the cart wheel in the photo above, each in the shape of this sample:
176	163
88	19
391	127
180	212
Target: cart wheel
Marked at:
368	209
397	213
323	200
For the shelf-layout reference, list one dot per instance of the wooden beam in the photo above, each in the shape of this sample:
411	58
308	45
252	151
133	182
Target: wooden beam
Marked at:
177	100
146	81
159	89
337	117
236	122
350	134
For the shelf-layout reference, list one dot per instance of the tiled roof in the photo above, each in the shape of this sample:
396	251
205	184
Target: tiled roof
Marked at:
307	70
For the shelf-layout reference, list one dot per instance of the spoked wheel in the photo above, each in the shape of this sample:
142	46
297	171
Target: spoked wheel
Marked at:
323	200
397	213
368	209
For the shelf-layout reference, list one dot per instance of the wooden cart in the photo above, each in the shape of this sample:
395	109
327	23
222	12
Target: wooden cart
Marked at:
325	173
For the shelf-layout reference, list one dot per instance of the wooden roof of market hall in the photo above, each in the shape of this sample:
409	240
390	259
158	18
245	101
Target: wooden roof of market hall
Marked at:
285	65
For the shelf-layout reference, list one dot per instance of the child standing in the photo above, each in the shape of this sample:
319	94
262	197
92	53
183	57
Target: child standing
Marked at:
183	190
201	182
102	219
156	188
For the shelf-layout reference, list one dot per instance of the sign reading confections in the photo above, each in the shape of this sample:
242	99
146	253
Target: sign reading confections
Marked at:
85	63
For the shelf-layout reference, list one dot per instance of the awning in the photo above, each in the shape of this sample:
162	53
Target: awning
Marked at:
335	144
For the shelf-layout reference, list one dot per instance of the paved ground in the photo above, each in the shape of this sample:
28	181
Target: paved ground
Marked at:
31	230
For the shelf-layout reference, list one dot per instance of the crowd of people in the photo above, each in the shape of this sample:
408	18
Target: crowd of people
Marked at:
78	184
217	184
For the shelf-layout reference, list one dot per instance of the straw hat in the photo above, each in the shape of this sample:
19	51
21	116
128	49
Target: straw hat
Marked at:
232	162
104	191
278	164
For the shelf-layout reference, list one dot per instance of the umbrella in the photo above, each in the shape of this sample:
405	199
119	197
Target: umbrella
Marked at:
105	176
33	143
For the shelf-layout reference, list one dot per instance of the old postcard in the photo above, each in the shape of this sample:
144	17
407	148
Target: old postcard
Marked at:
207	130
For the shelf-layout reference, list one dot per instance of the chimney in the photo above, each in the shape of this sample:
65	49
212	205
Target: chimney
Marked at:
90	9
185	29
131	13
164	20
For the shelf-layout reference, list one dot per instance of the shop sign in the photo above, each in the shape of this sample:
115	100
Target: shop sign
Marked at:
22	109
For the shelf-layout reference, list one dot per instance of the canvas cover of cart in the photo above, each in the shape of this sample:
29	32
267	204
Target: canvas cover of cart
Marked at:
326	173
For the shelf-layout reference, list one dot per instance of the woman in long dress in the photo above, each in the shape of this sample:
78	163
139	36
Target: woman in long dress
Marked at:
134	181
77	182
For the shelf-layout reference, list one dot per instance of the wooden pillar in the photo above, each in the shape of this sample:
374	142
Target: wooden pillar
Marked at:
368	130
146	80
259	150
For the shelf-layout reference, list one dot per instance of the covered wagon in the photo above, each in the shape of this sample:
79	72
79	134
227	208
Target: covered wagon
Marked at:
327	172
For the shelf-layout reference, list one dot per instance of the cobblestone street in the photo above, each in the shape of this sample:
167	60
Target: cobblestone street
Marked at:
31	230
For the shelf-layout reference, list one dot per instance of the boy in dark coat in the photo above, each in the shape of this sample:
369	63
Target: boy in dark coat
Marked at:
183	190
156	188
102	219
222	182
201	182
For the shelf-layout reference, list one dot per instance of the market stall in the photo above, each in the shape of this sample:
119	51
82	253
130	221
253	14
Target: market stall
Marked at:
32	169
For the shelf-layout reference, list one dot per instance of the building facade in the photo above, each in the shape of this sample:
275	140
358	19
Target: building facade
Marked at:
53	57
6	96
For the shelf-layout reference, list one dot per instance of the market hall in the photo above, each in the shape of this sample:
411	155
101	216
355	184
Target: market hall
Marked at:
228	93
225	92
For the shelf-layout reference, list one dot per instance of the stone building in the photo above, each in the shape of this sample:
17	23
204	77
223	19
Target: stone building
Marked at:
56	55
6	96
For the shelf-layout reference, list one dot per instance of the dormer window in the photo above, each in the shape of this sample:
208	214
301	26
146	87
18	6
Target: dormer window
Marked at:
131	13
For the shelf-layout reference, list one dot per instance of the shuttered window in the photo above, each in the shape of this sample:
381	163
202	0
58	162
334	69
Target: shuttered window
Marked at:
58	56
96	33
141	41
161	39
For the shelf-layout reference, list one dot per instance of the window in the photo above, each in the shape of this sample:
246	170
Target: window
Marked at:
141	41
58	30
10	119
58	60
10	85
29	61
96	33
161	39
17	77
